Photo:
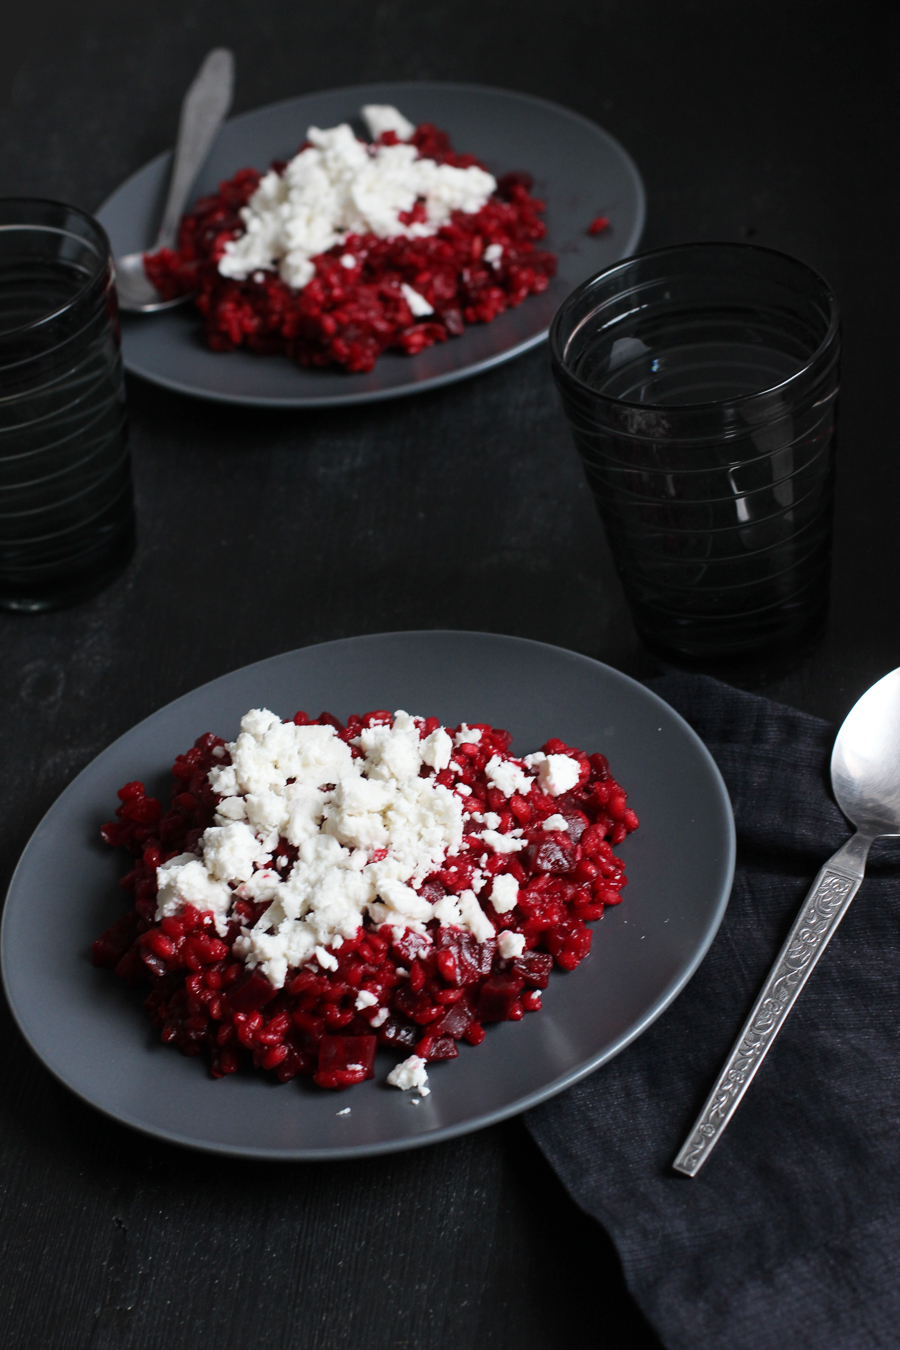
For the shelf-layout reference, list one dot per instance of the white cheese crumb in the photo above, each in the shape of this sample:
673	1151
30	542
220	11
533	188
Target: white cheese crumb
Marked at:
325	959
184	880
345	1112
365	1000
348	260
493	253
219	751
555	823
491	820
418	305
436	750
465	791
379	1019
410	1074
510	944
507	776
467	735
503	843
382	117
473	917
505	893
556	773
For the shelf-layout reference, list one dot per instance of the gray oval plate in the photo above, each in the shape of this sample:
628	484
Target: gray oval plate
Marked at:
579	170
94	1036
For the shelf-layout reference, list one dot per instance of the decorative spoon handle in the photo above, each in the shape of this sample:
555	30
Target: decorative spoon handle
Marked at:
821	912
203	111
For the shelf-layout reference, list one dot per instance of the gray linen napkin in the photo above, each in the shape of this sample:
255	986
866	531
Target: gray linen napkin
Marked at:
790	1235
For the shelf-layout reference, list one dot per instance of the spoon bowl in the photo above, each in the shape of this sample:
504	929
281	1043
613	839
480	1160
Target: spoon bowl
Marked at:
136	291
865	762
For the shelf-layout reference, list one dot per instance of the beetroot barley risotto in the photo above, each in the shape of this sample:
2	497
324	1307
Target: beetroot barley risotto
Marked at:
353	248
315	890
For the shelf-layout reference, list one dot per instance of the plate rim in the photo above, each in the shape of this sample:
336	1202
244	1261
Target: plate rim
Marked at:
460	1128
412	386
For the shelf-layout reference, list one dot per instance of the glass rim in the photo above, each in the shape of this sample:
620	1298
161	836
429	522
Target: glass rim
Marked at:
104	259
558	360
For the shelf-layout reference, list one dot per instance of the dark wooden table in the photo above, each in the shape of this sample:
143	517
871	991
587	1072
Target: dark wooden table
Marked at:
773	121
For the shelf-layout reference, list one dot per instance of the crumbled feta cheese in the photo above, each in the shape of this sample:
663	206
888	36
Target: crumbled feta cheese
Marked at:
510	945
446	911
493	253
381	117
505	893
340	186
507	776
503	843
223	780
436	750
556	773
410	1073
303	784
231	808
555	823
467	735
345	1112
348	260
184	880
219	751
473	917
465	791
418	305
379	1019
231	851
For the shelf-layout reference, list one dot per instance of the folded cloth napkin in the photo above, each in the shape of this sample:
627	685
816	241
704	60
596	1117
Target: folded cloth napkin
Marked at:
790	1234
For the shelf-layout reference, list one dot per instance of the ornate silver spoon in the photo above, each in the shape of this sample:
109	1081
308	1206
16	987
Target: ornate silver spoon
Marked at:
865	776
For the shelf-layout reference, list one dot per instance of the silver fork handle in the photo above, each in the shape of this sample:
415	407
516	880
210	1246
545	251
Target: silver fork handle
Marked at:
203	111
821	912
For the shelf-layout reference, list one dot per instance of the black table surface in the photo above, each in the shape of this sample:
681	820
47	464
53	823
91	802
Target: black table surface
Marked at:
771	120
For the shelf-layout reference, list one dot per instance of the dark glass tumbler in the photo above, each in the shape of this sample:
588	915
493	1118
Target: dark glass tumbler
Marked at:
701	385
66	506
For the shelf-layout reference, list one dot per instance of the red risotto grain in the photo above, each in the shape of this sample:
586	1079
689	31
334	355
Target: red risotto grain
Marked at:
438	988
349	317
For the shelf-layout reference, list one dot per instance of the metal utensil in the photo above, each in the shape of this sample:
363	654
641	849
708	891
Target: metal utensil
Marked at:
203	111
865	777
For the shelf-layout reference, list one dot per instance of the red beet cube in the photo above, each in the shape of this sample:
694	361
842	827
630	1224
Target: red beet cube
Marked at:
456	1019
497	995
534	967
250	992
344	1060
411	945
398	1032
473	958
554	854
440	1047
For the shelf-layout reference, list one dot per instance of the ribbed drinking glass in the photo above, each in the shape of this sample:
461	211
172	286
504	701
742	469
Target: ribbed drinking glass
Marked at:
66	508
701	385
